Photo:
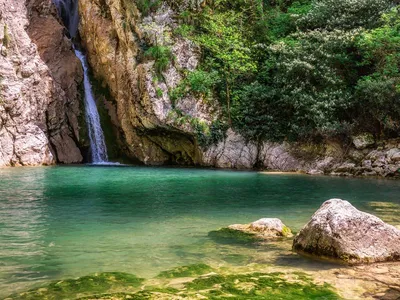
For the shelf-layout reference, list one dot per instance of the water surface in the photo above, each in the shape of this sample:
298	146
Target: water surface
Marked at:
59	222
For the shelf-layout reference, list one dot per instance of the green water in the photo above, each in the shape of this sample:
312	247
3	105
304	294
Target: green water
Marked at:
61	222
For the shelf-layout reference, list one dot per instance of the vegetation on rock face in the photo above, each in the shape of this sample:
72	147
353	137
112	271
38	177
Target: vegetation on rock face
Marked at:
145	6
162	56
290	70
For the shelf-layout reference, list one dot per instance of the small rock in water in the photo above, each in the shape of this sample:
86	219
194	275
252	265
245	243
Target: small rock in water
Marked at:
339	231
265	228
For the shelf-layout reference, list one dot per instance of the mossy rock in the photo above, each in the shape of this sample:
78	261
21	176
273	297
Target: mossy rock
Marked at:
186	271
86	285
286	232
122	286
261	286
142	295
232	236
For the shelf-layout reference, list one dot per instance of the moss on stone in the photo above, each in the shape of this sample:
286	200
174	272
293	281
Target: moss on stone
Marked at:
286	231
261	286
122	286
83	286
186	271
232	236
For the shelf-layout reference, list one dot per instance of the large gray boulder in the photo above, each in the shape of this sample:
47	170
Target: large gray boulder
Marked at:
339	231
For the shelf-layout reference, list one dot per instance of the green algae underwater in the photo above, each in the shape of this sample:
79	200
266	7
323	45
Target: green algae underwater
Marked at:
211	286
149	233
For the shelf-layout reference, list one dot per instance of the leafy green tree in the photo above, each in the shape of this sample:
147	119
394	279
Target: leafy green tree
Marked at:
222	36
377	99
345	14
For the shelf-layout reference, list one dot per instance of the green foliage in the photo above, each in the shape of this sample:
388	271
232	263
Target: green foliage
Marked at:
162	56
186	271
290	70
146	6
347	14
209	135
184	30
377	94
206	135
198	82
201	82
159	92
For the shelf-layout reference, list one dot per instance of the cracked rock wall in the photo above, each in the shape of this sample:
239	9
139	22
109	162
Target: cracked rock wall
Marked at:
39	87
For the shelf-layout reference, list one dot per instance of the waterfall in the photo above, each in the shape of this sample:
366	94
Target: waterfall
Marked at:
96	136
68	11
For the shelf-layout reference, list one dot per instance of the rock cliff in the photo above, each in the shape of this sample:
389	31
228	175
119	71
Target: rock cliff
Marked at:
39	90
115	36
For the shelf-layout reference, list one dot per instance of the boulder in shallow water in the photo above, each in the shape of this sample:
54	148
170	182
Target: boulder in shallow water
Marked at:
264	228
339	231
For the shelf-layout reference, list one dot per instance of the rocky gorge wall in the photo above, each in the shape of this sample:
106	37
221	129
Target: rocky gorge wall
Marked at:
115	35
40	102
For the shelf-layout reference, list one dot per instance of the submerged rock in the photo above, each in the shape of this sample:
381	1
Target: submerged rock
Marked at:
265	228
90	285
186	271
256	232
233	236
339	231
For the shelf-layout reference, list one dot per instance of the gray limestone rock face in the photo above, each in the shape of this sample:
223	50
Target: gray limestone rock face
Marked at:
340	231
234	152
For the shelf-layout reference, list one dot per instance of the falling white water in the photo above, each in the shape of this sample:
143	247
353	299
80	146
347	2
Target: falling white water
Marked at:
68	11
96	136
